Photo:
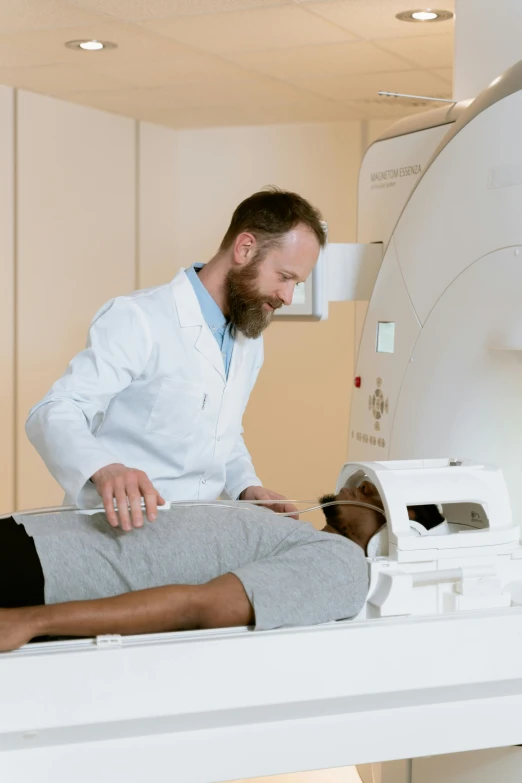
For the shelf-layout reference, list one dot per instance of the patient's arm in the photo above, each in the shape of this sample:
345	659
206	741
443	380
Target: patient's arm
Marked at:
220	603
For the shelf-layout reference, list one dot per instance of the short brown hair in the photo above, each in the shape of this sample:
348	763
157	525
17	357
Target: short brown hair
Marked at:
271	213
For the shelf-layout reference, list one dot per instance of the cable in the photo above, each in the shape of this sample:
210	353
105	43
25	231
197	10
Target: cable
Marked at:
208	504
332	503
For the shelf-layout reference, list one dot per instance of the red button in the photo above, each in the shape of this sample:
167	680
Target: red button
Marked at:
357	381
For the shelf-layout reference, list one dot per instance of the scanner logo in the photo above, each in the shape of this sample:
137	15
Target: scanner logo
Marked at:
387	178
378	404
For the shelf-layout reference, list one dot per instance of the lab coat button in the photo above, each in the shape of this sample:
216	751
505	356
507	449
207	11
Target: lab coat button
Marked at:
203	481
218	437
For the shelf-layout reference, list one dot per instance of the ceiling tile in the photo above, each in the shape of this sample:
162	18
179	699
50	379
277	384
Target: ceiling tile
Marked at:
258	29
337	59
134	44
44	14
139	104
131	102
374	19
349	88
204	117
136	10
428	51
178	66
261	92
242	91
56	79
13	55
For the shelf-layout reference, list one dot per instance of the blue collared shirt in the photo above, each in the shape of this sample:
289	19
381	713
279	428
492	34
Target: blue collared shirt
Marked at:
217	323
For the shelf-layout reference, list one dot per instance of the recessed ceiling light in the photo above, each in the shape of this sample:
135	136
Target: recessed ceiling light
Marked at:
91	46
424	15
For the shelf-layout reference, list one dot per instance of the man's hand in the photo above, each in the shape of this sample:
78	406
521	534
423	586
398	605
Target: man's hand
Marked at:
127	486
260	493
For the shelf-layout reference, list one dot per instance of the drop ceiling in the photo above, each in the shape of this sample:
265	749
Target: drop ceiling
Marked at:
203	63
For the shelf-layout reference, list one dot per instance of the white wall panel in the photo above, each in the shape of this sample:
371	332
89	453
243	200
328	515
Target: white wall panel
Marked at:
76	232
6	298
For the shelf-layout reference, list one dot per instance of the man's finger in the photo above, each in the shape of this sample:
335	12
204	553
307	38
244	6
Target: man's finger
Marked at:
285	507
134	496
274	495
288	508
123	506
151	499
282	508
108	504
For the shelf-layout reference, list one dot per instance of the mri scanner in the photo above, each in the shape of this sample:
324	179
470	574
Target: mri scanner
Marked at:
426	684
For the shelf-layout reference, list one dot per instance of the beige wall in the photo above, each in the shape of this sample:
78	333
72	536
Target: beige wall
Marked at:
158	226
76	248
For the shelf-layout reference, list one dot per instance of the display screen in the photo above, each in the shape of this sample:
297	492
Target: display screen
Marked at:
386	337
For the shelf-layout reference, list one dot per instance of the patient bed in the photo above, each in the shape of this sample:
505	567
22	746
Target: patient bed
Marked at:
217	705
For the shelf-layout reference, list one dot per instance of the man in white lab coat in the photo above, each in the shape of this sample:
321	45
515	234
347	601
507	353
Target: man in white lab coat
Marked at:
151	410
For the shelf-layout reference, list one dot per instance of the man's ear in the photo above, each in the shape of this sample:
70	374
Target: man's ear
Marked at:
244	248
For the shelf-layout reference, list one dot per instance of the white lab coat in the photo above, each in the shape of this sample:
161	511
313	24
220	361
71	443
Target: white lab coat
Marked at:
150	391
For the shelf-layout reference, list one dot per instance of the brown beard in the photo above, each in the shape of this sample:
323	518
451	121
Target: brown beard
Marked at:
245	303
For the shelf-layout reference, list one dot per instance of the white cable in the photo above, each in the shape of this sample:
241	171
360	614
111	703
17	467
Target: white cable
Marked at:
203	503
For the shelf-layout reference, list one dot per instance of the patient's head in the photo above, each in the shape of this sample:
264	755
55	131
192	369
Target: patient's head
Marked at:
359	524
355	522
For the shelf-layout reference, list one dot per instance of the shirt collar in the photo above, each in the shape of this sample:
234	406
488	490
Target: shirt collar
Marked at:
209	307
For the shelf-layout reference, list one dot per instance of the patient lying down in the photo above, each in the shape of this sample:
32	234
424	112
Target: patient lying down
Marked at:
69	574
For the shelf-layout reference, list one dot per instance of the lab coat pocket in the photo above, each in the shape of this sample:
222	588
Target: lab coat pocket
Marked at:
177	409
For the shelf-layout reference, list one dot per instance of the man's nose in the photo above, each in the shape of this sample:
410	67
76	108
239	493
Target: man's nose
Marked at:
286	293
346	493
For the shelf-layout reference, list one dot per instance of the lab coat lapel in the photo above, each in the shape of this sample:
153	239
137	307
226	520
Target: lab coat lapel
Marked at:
190	315
207	345
238	355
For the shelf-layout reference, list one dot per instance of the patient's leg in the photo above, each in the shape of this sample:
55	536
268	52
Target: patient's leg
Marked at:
218	604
